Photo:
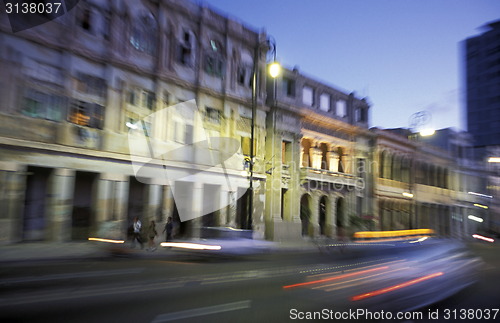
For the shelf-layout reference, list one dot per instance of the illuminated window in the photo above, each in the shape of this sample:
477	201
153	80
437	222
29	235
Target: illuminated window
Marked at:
245	145
86	114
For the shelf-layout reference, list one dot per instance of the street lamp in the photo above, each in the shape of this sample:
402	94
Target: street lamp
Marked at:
274	71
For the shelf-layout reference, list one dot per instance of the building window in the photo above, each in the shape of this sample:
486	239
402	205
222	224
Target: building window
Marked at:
244	76
185	49
148	99
85	20
245	145
45	106
361	115
341	108
212	115
141	98
142	124
289	87
143	34
106	26
86	114
92	85
308	96
183	133
324	102
214	63
286	151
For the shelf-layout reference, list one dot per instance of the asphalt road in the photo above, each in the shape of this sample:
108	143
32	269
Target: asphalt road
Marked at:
198	289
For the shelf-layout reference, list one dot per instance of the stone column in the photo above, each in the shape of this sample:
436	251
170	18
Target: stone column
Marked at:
12	187
61	188
196	209
111	205
316	155
333	161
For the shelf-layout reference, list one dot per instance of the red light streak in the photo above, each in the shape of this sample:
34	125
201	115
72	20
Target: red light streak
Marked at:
336	277
395	287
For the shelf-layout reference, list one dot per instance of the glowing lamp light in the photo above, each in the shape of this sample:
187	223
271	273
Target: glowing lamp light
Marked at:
475	218
406	194
274	70
494	160
427	132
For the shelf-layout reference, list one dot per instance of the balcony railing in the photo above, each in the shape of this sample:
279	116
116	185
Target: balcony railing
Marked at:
323	175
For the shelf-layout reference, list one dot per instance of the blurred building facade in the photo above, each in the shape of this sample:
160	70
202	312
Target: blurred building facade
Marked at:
72	90
317	158
430	182
73	87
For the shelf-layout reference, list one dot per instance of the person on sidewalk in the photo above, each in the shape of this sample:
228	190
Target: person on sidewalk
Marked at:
137	225
169	226
151	235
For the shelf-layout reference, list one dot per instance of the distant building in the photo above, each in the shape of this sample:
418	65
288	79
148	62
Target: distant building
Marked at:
430	182
482	81
317	159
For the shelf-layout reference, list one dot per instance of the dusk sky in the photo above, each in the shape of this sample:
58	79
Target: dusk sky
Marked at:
405	56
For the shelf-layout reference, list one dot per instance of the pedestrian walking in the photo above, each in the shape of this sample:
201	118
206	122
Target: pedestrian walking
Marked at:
137	225
169	226
151	236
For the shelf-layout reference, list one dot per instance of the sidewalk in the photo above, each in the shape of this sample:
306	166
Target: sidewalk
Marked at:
58	251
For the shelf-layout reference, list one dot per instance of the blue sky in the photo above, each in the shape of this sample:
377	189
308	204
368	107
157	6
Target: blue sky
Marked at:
404	55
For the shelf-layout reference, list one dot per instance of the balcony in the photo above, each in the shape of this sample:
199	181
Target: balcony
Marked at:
326	176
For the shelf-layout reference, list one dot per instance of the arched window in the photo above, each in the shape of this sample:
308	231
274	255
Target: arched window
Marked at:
143	34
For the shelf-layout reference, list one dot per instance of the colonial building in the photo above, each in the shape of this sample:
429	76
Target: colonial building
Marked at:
74	89
428	182
317	158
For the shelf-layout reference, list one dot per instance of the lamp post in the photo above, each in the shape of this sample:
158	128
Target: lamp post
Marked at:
274	71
